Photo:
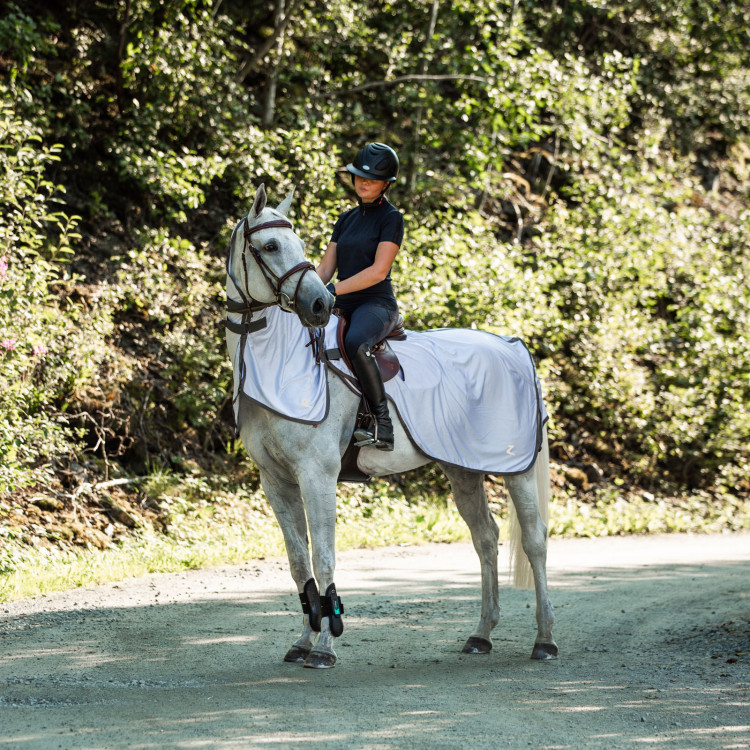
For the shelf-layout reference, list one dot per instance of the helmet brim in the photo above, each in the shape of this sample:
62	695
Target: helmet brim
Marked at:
367	175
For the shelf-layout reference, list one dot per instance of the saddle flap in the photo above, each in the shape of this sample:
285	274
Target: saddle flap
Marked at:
387	361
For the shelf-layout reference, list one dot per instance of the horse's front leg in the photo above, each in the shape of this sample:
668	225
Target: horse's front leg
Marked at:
319	491
286	501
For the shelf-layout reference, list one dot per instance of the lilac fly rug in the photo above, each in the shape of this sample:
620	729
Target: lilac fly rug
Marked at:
466	397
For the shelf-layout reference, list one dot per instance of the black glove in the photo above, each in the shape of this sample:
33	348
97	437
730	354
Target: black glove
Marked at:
331	288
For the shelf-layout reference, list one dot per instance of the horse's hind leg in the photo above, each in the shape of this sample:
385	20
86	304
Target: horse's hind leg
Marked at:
524	492
471	501
286	502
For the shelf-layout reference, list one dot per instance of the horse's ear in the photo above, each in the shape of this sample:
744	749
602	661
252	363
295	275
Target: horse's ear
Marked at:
286	203
259	203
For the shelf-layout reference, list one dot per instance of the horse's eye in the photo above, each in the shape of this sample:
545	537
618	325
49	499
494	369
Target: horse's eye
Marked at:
271	247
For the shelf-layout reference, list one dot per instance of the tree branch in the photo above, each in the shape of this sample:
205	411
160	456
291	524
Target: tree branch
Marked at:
251	62
401	79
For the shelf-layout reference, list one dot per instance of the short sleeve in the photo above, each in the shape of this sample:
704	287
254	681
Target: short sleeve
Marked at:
337	228
392	229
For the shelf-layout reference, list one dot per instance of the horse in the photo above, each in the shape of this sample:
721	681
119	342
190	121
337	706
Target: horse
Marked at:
299	462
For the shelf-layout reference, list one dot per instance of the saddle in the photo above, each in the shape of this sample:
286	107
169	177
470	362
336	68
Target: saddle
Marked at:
384	355
389	368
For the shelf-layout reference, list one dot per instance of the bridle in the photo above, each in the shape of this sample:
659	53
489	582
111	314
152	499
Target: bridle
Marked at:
275	282
246	306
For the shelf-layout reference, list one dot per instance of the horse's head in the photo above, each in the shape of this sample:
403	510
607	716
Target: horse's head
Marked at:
267	264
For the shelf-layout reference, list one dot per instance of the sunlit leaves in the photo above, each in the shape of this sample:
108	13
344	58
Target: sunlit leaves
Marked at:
48	345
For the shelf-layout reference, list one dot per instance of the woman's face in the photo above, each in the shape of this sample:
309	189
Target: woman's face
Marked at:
368	190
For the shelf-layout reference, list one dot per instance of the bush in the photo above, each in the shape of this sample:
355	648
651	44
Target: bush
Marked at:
653	310
560	179
49	344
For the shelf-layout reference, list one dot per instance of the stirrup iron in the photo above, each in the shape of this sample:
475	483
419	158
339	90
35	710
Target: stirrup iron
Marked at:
363	438
367	432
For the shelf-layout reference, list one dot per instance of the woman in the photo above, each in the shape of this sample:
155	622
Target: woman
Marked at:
364	243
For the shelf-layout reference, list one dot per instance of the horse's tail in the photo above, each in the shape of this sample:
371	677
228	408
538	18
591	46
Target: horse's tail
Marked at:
520	568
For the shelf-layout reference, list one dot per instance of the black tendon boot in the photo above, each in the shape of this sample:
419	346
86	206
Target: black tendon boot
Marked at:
380	434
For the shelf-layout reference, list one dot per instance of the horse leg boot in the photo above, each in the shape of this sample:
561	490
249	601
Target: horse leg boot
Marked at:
371	381
318	487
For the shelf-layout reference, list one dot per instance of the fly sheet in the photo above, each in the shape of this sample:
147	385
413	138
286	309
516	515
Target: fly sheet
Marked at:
466	397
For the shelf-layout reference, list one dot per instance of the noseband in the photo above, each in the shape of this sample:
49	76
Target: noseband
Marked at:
275	282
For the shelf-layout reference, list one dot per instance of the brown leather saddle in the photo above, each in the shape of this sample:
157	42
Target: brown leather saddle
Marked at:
384	355
389	368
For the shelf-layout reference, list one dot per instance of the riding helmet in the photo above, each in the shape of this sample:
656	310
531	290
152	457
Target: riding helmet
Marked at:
375	161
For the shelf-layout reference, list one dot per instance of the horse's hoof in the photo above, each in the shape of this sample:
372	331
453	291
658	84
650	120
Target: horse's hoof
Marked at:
544	651
297	654
477	645
320	660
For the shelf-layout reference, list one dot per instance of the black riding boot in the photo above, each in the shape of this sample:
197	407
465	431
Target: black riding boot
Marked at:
379	435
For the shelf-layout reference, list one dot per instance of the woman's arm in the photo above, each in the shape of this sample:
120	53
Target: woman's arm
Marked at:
384	257
327	266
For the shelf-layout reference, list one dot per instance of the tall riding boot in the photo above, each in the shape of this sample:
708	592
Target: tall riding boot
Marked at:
380	434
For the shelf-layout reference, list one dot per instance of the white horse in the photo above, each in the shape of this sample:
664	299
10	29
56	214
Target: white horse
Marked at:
299	462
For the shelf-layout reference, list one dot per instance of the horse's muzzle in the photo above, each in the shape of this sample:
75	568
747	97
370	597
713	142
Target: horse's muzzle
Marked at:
314	310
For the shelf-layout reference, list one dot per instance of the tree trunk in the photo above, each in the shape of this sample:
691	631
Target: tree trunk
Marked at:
252	61
269	97
120	52
414	162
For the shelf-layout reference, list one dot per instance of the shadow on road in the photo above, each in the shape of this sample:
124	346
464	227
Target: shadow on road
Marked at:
650	656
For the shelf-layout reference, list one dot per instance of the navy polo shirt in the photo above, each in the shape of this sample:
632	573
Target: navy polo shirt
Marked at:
357	234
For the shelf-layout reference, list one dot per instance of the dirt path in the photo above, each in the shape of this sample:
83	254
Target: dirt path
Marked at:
654	637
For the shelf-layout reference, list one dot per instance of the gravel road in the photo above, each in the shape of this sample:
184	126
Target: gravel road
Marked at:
654	637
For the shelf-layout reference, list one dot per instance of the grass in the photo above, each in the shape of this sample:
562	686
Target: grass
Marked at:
209	526
611	512
235	534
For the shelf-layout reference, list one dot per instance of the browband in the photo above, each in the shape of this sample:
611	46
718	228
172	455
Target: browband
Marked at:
276	223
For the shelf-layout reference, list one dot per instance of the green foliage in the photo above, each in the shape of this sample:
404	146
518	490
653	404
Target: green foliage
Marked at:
650	338
573	174
173	288
49	346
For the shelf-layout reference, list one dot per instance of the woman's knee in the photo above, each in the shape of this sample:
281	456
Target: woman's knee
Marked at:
368	326
353	343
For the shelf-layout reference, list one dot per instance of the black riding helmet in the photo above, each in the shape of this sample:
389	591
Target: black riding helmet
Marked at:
375	161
